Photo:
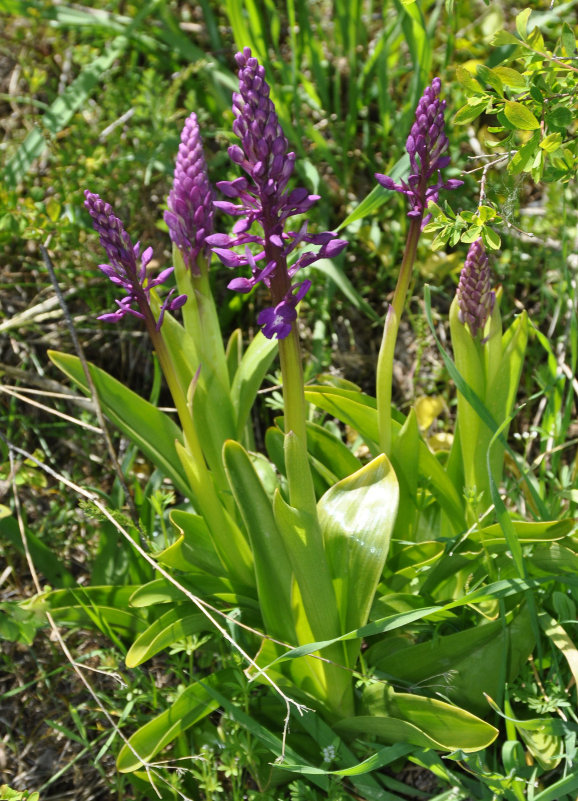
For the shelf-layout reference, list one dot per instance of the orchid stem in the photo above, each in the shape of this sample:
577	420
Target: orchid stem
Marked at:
386	352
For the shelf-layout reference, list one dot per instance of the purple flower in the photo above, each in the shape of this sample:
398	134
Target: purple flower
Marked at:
263	198
190	202
426	145
127	267
475	297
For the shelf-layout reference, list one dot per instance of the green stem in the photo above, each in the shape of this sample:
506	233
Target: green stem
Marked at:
390	330
301	490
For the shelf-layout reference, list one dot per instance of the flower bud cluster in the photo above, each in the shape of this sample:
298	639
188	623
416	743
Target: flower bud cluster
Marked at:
426	145
263	198
124	269
475	296
190	202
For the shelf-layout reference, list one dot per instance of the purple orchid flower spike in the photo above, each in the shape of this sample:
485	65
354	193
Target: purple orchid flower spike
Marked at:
475	297
426	145
264	199
190	202
127	267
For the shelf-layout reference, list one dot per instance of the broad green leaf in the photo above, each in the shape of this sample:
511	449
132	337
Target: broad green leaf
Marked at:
163	591
315	606
469	112
523	159
522	22
502	38
356	518
552	142
229	540
194	704
547	530
148	428
554	558
490	238
249	376
400	717
411	559
351	407
358	410
272	564
489	77
520	116
405	460
510	77
546	748
176	624
331	451
466	79
234	352
194	549
561	117
568	40
467	664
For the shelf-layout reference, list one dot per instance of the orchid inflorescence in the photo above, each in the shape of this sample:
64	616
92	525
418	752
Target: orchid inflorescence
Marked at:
475	296
265	200
123	268
190	215
426	145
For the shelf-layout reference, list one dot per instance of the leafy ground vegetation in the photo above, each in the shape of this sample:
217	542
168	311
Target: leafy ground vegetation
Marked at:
424	539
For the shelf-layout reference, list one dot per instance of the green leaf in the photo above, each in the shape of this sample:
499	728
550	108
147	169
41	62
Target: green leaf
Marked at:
502	38
522	22
510	77
467	664
489	77
272	565
148	428
552	142
520	116
547	530
561	117
522	160
331	452
467	80
176	624
568	40
490	238
357	517
194	549
358	410
249	376
469	112
194	704
400	717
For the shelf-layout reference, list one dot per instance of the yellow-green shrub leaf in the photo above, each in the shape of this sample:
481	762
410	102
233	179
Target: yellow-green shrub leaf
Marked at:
520	116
